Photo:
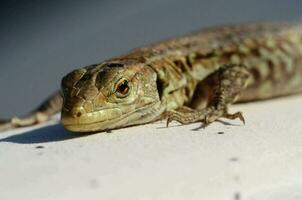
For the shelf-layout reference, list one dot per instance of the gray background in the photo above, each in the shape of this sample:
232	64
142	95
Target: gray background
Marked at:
43	40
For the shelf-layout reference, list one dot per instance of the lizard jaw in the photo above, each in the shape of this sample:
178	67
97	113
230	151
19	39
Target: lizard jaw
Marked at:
92	121
109	118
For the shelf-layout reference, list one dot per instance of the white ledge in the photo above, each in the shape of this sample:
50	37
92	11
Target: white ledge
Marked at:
259	160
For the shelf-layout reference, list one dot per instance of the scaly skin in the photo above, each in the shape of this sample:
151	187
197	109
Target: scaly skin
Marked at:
187	79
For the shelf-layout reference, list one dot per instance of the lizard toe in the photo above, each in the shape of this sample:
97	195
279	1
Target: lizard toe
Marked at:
237	115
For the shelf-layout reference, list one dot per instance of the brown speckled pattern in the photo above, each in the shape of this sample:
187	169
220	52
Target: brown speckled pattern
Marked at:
191	78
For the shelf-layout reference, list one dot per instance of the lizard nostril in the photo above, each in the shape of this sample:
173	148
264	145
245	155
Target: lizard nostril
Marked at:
79	114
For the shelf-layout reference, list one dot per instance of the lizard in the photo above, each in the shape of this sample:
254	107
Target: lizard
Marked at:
191	78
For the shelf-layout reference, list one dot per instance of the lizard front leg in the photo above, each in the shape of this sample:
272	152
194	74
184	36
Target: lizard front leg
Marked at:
223	87
51	106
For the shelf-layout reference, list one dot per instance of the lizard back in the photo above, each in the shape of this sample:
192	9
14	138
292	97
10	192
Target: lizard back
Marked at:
271	51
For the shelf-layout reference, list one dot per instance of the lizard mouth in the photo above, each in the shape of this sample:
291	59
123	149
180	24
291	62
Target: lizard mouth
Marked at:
106	119
92	121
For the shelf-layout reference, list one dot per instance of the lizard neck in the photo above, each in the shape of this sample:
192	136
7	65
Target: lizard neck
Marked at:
176	80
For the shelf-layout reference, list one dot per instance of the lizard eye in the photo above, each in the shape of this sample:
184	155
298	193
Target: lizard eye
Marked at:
122	88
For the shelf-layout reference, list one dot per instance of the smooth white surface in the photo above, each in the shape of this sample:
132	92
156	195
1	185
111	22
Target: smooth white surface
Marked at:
261	160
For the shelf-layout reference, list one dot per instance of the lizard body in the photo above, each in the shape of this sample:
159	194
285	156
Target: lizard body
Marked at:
187	79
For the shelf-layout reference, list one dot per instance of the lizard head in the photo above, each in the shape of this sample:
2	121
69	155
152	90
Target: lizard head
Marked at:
109	95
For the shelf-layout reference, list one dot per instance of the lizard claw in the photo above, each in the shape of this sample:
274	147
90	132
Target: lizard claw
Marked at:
169	120
236	115
206	122
172	116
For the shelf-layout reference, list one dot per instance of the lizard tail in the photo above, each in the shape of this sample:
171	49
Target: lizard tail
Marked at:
42	113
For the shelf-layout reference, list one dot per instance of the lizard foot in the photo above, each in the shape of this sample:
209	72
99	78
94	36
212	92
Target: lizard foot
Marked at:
225	86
